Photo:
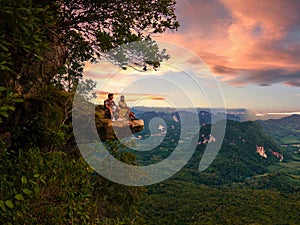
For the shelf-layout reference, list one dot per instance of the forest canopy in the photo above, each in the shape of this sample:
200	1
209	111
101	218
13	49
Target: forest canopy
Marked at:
46	40
44	45
43	48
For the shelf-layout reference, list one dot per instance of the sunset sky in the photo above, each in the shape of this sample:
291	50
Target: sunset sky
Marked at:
252	48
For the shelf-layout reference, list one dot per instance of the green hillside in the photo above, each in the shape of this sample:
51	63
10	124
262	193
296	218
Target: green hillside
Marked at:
239	187
177	202
285	130
236	161
238	158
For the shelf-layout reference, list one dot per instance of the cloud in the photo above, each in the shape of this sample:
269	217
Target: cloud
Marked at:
98	92
157	98
129	97
262	77
295	83
243	42
277	114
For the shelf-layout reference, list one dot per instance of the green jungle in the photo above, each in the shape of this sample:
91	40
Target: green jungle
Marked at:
45	180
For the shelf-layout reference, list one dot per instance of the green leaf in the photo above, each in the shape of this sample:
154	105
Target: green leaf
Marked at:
27	191
36	189
2	205
5	114
4	108
25	29
19	197
42	180
4	47
2	88
24	180
17	100
35	183
9	204
11	108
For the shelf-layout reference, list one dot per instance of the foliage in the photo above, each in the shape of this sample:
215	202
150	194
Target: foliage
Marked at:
239	187
236	161
282	181
7	102
103	25
92	28
25	38
138	54
54	188
44	45
237	158
285	130
177	202
43	121
42	39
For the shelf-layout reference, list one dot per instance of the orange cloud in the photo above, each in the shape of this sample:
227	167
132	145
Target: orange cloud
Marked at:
243	42
157	98
129	97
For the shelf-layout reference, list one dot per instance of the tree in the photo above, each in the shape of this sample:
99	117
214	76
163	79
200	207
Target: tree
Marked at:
43	47
41	36
45	44
29	51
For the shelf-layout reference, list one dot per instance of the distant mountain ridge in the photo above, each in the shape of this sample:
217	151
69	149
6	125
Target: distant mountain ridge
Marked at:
238	158
247	151
285	130
204	116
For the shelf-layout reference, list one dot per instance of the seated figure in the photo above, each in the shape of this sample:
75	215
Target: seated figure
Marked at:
124	110
111	109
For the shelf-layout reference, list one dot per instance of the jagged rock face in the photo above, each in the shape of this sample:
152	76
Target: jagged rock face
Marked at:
109	130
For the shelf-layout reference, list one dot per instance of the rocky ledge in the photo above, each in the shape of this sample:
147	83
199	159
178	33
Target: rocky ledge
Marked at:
110	130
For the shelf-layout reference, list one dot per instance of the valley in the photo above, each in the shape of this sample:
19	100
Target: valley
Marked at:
253	180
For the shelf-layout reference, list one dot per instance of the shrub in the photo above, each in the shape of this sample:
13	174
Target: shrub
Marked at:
54	188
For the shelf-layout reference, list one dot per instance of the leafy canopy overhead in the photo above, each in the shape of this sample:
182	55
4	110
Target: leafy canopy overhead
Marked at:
108	24
94	28
39	37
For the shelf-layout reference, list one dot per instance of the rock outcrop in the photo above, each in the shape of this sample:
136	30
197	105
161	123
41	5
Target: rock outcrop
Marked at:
110	130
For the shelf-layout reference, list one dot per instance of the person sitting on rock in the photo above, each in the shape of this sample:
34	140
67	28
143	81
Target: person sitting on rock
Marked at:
124	110
111	109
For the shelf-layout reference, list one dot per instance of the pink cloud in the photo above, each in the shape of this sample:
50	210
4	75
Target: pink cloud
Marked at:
244	42
157	98
129	97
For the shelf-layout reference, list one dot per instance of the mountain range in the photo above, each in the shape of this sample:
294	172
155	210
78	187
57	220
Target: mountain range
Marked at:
285	130
249	154
252	180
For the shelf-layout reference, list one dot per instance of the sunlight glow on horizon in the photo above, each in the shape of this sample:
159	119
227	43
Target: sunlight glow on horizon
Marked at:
250	47
278	113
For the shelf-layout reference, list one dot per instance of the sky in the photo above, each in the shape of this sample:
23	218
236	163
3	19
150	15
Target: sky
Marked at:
226	53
